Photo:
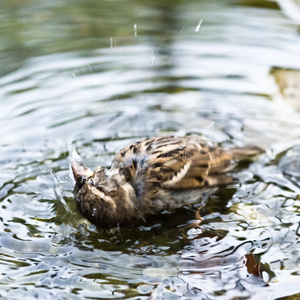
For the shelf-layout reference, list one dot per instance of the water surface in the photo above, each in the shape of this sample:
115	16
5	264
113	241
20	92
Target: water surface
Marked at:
96	76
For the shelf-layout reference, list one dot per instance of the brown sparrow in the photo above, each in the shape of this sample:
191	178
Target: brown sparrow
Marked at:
146	176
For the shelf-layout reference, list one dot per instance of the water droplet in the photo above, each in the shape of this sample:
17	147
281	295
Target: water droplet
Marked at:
198	26
180	33
94	212
152	58
210	125
135	29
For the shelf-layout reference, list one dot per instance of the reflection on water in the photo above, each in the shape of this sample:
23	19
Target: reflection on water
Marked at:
99	75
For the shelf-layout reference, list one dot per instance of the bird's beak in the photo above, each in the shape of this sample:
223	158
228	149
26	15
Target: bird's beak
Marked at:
80	171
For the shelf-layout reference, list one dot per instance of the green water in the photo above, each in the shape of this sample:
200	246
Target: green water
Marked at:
97	75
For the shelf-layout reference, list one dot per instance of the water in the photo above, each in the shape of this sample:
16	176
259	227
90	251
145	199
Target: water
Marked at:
94	76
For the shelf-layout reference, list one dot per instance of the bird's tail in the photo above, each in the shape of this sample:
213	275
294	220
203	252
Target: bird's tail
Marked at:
244	153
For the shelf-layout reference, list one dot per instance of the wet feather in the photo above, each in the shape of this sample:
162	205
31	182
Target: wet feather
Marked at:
145	177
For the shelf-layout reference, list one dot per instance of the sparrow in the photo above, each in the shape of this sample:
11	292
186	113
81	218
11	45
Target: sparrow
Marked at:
149	175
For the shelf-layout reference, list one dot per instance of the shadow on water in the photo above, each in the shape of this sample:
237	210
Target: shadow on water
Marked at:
99	75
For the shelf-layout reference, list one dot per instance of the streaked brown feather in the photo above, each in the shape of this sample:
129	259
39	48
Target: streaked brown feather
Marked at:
152	168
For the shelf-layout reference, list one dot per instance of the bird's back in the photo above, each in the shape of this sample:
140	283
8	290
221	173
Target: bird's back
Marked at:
178	162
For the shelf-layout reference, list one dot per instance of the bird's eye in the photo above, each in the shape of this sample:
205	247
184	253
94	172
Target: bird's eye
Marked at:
91	182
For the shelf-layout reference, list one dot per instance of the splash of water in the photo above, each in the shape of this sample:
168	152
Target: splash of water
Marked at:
74	156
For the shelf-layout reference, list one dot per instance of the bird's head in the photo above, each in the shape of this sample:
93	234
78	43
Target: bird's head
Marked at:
94	195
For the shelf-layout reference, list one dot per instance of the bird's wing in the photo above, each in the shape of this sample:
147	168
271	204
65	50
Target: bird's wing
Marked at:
175	162
190	162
